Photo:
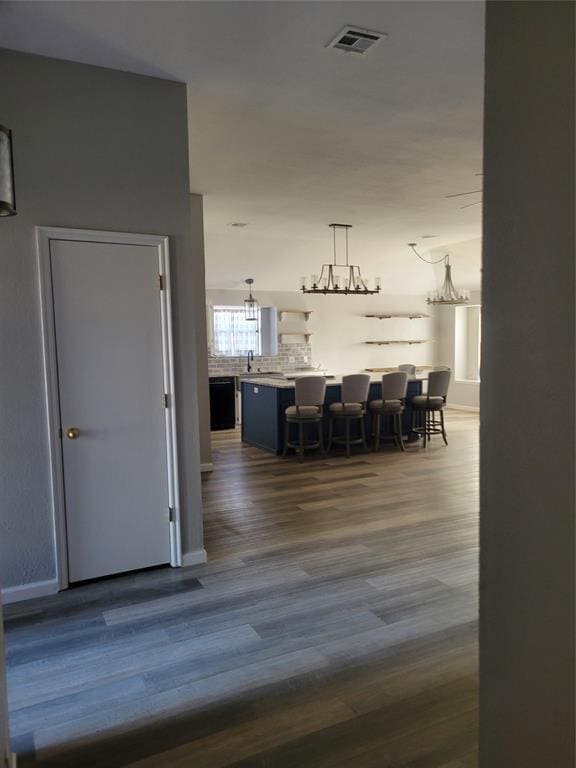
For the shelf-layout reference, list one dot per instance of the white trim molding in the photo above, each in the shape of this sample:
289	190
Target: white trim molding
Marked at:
195	557
453	407
207	467
44	235
29	591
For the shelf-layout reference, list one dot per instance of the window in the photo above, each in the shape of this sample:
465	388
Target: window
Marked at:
233	335
467	343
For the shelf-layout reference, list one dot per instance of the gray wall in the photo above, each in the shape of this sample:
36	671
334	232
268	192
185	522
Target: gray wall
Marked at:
94	148
196	209
527	394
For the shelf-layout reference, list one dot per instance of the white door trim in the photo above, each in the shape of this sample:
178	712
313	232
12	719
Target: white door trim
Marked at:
43	237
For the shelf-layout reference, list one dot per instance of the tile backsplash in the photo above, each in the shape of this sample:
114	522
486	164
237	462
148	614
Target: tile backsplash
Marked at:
290	357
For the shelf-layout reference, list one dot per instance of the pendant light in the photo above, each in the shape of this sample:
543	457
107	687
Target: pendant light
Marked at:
347	281
7	196
448	294
250	304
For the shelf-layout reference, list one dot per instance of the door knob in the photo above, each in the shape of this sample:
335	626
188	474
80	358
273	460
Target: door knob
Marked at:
72	433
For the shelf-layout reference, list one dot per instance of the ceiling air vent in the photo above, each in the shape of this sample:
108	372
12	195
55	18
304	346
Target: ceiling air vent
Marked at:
356	39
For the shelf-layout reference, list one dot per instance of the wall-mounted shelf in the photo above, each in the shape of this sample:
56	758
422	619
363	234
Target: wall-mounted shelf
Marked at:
388	316
301	312
294	333
399	341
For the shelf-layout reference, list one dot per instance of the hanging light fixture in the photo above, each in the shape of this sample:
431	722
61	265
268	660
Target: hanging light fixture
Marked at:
348	281
448	294
250	304
7	196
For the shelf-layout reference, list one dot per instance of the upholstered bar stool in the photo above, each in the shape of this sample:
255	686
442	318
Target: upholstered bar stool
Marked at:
394	386
425	407
408	368
352	408
309	395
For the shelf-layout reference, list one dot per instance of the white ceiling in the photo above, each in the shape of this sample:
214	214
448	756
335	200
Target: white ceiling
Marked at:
288	135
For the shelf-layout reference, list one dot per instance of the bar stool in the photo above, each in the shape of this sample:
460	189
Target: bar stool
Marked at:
352	408
394	386
428	405
409	368
309	395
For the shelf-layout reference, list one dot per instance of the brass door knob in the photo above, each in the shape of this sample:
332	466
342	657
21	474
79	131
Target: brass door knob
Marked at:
72	433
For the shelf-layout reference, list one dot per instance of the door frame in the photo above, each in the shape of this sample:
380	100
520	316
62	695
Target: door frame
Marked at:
44	236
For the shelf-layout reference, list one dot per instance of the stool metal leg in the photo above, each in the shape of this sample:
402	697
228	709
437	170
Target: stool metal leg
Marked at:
400	436
425	427
330	433
443	427
363	432
321	437
347	438
301	441
376	429
393	427
286	437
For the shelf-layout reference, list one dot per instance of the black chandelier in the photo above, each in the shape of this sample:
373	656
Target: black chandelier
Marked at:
250	304
348	281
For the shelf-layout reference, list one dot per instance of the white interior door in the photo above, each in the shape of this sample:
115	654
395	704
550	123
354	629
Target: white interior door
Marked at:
108	333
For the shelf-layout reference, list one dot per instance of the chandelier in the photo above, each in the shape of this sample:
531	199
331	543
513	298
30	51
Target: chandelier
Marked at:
448	294
341	278
250	304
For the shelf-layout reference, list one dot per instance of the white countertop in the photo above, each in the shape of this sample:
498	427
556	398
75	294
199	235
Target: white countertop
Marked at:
264	381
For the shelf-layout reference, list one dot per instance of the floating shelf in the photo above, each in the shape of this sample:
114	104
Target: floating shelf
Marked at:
399	341
387	316
303	312
294	333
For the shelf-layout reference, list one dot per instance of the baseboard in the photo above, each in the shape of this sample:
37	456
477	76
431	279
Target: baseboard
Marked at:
453	407
207	467
29	591
195	557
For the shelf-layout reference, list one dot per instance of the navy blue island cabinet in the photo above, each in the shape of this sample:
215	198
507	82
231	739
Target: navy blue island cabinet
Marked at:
263	407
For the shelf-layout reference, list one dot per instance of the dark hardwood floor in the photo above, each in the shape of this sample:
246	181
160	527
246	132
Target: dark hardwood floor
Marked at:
334	626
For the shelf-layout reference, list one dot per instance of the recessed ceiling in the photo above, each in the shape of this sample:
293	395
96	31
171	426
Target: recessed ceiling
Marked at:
289	135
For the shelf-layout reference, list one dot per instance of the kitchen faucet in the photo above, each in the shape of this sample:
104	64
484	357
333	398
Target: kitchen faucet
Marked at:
250	358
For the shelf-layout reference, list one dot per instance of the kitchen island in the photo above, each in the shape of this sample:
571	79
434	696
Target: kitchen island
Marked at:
264	401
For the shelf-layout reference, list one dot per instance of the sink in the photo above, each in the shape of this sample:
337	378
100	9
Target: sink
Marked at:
262	374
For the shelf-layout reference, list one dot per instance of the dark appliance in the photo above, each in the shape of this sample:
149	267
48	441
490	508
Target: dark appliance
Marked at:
222	402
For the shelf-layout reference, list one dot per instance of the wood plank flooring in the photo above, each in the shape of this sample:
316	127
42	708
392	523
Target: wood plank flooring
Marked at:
334	626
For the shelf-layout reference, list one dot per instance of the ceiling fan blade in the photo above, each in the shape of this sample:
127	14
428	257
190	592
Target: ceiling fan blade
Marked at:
461	194
470	204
